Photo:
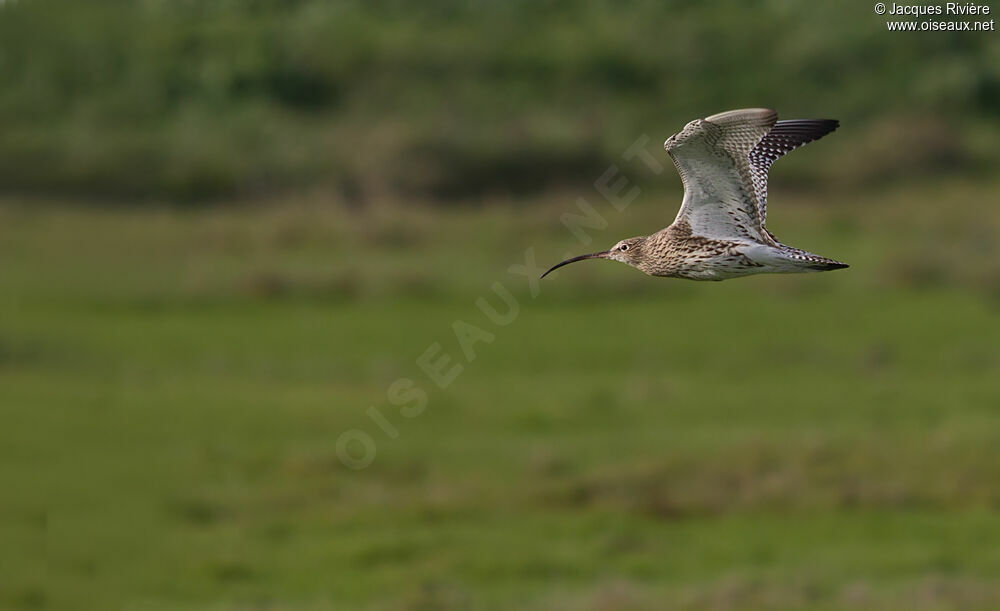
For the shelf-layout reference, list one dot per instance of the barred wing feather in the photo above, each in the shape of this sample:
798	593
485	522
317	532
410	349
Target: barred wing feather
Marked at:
712	156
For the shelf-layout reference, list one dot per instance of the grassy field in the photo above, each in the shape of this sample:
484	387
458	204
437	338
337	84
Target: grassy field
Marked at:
229	229
174	383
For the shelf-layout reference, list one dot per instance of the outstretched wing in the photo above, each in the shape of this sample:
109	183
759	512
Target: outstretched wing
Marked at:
785	137
712	157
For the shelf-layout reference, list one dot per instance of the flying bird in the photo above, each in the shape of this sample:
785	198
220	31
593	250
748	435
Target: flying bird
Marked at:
720	231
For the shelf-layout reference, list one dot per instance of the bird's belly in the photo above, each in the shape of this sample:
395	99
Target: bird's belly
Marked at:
722	266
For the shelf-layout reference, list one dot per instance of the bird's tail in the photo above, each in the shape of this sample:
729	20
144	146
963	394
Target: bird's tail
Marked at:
791	260
807	261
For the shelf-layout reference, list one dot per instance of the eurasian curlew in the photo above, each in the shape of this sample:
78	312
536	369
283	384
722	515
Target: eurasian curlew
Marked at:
719	232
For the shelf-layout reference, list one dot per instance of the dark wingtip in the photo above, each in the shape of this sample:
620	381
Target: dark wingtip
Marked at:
808	130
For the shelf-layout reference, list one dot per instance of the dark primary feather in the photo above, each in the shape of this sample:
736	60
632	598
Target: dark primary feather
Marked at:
784	137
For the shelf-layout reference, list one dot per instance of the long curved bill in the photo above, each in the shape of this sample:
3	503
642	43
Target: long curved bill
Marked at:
604	254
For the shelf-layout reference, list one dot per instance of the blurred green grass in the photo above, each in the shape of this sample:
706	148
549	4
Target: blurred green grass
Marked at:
175	381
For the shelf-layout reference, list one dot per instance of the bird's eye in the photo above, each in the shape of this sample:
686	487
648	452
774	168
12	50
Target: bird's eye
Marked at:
624	247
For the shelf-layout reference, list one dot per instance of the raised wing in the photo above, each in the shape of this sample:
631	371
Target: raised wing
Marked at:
712	157
785	137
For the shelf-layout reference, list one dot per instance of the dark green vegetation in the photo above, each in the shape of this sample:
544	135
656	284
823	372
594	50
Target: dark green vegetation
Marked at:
199	99
174	383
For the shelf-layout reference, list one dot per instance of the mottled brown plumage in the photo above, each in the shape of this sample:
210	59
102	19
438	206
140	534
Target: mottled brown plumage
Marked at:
720	230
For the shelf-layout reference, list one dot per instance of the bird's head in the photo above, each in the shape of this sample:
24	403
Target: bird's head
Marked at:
628	251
